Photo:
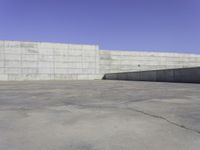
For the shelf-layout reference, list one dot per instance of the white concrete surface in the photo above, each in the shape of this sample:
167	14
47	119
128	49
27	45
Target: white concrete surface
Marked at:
126	61
57	61
48	61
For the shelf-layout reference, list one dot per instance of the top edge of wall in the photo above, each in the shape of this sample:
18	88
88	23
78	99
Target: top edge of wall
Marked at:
148	52
27	41
106	50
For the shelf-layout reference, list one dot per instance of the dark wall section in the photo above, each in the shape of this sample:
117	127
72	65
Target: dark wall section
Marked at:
186	75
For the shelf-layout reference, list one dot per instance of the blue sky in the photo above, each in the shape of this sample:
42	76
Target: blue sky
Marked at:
148	25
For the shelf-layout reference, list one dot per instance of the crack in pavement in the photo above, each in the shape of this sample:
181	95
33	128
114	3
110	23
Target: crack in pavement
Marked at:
145	113
167	120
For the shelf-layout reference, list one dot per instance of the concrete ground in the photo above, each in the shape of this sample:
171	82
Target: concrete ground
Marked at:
99	115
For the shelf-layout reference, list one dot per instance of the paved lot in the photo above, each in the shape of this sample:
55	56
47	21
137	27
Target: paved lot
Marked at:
99	115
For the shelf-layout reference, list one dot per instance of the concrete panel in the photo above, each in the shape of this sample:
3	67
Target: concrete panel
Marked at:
13	71
12	44
122	76
30	51
185	75
2	45
29	64
2	63
63	65
133	76
3	77
46	70
10	50
12	57
165	75
63	58
30	71
148	76
62	70
45	58
46	51
11	64
15	77
66	77
26	57
1	70
46	64
45	77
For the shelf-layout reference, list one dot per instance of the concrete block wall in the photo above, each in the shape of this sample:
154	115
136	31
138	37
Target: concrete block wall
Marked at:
126	61
57	61
48	61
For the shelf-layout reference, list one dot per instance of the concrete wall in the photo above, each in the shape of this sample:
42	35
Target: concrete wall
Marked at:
126	61
57	61
186	75
48	61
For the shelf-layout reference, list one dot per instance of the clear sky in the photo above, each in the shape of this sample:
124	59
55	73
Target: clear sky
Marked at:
149	25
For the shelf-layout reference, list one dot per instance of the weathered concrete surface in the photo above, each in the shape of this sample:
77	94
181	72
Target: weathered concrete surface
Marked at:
182	75
114	61
21	60
99	115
